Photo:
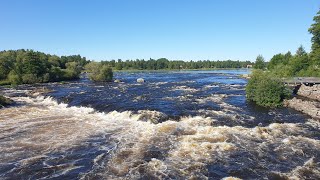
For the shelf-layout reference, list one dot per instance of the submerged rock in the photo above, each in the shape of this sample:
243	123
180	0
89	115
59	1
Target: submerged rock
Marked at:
39	91
245	76
140	80
231	178
154	117
140	98
117	81
4	101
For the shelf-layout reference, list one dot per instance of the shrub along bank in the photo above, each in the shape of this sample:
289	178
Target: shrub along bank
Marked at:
99	72
266	90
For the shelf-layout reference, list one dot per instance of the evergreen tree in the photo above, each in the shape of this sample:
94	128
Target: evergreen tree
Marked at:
119	65
300	51
315	31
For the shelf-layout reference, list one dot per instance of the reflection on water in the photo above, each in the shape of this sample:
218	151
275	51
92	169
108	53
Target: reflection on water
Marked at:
177	125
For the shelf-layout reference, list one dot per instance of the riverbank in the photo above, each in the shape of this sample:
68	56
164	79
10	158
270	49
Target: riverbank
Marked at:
308	107
307	101
311	92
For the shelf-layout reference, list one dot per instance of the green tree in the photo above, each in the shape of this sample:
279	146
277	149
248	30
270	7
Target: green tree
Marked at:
282	71
28	66
270	92
315	31
98	72
5	66
287	58
92	67
32	63
73	70
276	60
14	78
300	61
30	79
266	90
119	65
106	74
56	74
301	51
260	63
54	61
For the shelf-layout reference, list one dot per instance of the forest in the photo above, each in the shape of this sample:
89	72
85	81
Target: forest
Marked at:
29	67
165	64
301	63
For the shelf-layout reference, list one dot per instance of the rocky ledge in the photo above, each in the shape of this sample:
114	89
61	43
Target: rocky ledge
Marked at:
38	91
4	101
311	108
309	103
311	92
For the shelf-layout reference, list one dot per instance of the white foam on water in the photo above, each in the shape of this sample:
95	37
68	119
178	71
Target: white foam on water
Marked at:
210	86
231	178
158	83
184	88
227	110
139	148
309	170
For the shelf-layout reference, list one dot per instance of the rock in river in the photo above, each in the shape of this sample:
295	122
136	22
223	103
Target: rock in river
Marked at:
140	80
4	101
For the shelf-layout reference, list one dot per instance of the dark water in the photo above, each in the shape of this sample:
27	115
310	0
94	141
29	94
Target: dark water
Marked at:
176	94
176	125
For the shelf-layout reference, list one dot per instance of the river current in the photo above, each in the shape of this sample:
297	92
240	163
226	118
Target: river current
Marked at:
175	125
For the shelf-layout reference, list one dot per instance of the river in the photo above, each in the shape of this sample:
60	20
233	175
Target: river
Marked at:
176	125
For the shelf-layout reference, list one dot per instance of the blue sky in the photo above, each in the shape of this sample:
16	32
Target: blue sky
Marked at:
175	29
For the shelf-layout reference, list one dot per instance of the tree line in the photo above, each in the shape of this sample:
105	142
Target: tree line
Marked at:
165	64
301	63
28	67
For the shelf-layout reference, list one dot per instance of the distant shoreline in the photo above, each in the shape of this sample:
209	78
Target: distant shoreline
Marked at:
203	69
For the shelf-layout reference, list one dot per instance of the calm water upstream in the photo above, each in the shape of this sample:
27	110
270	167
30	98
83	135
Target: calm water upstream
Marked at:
176	125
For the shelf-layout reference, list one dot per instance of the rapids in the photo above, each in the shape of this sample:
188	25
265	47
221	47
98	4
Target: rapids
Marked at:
176	125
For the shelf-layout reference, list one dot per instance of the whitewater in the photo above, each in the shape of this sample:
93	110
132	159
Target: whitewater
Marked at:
177	125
